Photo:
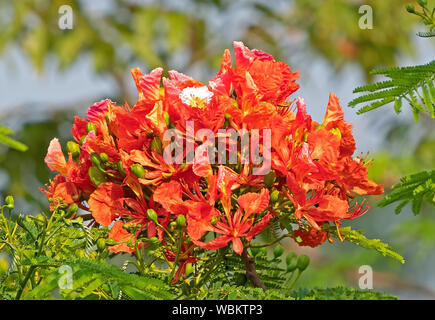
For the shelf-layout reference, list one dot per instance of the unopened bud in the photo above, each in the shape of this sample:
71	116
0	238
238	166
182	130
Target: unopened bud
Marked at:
73	148
101	244
181	221
104	157
410	8
72	209
9	201
138	170
91	127
274	196
152	215
303	262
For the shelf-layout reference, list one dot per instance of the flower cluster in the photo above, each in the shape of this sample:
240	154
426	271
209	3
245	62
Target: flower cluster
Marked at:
117	168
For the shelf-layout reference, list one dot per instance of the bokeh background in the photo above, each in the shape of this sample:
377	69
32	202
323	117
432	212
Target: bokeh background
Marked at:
47	75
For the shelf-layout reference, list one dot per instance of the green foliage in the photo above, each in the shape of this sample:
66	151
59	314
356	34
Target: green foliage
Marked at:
427	15
414	84
340	293
412	189
358	238
92	279
5	139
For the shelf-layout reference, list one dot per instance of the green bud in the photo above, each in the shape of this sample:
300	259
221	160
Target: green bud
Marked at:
172	226
227	116
91	127
167	118
292	265
104	157
303	262
96	176
181	221
95	158
138	170
154	240
73	148
101	244
274	196
269	179
156	145
290	257
9	201
71	210
410	8
189	269
152	215
278	251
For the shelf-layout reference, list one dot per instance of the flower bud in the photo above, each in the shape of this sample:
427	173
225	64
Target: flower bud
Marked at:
269	179
410	8
278	251
104	157
73	148
303	262
154	241
101	244
9	201
274	196
138	170
152	215
181	221
96	176
91	127
290	257
71	210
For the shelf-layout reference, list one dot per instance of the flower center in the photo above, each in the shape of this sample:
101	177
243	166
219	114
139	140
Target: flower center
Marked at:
196	97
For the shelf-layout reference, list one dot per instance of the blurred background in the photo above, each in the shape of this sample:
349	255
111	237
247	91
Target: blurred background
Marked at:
47	75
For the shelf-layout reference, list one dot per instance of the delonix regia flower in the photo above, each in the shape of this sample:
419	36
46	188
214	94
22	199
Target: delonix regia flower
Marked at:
115	168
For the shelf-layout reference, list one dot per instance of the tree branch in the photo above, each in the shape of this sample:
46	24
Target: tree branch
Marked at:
251	273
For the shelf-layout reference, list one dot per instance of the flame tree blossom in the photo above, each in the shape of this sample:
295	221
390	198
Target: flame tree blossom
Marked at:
114	169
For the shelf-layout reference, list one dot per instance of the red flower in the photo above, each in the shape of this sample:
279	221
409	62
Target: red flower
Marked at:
234	227
104	202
